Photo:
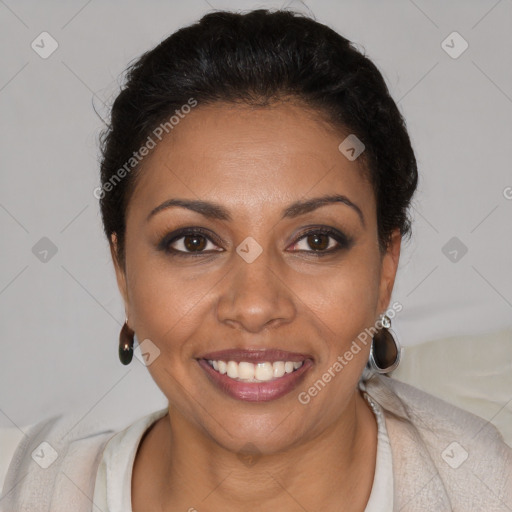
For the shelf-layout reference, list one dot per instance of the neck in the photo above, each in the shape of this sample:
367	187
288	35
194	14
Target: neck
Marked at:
186	470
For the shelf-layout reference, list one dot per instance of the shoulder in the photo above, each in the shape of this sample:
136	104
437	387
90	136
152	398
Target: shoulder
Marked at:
463	457
426	411
59	451
10	437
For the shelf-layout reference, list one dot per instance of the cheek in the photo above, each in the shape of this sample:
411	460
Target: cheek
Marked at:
163	303
343	299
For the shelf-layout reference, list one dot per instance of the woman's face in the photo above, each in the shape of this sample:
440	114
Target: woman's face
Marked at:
250	283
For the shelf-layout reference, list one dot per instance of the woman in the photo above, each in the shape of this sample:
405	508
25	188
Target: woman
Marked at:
256	179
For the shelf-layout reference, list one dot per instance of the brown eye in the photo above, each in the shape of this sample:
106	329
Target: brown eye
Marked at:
194	242
322	241
318	241
186	242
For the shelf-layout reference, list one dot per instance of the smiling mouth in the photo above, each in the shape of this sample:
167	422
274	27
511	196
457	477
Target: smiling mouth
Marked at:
245	371
255	375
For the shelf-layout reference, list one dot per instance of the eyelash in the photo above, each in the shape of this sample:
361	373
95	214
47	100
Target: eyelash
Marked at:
344	241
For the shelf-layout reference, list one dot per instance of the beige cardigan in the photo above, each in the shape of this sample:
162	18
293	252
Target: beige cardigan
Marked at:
444	458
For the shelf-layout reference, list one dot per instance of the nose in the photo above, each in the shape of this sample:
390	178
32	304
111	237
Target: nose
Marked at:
255	295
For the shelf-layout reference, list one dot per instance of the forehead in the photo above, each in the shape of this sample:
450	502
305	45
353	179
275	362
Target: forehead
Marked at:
246	158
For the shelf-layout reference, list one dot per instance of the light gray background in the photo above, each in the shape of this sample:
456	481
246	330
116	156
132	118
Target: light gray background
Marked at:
60	319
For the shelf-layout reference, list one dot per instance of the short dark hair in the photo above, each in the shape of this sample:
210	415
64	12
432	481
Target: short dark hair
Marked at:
260	57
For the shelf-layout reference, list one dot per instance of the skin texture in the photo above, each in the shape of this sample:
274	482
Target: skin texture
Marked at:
254	162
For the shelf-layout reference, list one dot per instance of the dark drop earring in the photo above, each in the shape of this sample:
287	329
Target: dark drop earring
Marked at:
385	351
126	344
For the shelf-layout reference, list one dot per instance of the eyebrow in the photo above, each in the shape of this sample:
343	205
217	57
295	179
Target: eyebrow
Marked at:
216	211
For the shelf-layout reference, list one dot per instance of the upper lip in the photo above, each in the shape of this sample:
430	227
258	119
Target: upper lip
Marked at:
255	355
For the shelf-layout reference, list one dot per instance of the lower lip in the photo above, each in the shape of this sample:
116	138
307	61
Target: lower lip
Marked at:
256	391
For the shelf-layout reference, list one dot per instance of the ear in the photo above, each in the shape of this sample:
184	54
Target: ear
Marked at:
120	272
389	266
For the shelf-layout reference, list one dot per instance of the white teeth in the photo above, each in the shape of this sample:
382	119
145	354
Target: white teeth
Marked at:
264	371
278	367
259	372
232	370
245	370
